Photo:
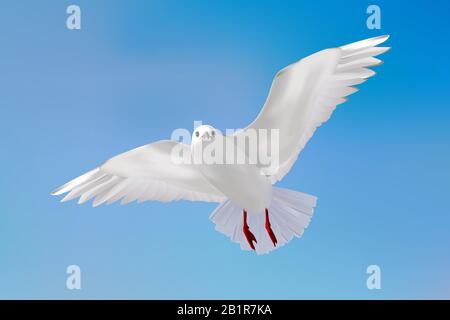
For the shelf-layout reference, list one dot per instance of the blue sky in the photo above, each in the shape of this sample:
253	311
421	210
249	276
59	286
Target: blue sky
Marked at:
139	69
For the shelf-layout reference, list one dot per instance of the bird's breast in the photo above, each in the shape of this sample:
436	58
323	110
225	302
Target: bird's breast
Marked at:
241	183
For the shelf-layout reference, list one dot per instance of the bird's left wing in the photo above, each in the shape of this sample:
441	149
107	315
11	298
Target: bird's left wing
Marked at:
304	95
151	172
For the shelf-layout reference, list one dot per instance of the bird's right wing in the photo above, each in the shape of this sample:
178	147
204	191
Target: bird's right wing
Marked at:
146	173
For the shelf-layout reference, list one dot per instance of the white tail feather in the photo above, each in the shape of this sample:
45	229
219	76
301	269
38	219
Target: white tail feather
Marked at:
290	213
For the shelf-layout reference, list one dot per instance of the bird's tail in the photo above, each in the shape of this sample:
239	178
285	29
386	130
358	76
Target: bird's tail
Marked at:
289	213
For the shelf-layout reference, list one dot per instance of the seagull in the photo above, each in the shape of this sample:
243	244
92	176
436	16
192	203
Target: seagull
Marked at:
251	211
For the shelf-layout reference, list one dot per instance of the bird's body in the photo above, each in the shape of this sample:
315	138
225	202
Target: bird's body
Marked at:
254	192
252	212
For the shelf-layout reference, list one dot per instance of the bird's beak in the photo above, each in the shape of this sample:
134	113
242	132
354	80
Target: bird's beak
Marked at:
206	135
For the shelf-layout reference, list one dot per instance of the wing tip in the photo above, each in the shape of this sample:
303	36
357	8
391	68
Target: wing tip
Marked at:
74	182
379	39
95	205
366	43
383	37
60	190
56	192
99	202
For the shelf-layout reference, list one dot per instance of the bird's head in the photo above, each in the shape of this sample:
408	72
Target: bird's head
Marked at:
204	133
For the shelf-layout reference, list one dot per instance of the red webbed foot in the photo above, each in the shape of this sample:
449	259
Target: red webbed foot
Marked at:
248	234
269	230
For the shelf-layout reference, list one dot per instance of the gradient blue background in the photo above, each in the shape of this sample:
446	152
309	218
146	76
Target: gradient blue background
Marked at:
139	69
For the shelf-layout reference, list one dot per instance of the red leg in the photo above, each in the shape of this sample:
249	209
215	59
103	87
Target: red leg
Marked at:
248	234
269	229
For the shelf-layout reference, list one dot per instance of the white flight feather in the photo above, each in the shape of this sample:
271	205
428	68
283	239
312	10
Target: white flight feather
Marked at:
304	94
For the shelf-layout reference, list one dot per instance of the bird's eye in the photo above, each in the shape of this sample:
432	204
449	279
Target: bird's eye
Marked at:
213	133
197	134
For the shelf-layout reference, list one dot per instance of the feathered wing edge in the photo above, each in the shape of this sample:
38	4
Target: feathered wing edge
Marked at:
107	188
351	70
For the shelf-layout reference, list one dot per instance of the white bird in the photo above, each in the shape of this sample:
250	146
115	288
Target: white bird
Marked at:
252	212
